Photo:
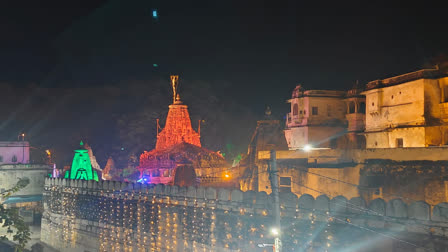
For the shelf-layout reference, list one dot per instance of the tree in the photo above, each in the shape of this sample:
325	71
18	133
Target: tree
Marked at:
12	221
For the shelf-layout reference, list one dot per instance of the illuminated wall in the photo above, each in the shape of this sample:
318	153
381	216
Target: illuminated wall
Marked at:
316	136
414	173
114	216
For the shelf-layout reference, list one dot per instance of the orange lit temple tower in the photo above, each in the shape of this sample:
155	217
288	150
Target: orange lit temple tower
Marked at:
179	151
178	124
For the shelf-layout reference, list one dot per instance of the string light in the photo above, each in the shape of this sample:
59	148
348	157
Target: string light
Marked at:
143	221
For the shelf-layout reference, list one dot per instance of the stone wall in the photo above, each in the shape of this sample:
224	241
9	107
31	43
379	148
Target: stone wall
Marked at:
10	174
410	173
360	156
115	216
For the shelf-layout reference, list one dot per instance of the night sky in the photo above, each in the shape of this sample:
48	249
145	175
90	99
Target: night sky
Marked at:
255	51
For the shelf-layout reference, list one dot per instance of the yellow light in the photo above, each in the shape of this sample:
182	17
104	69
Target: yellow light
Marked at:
226	175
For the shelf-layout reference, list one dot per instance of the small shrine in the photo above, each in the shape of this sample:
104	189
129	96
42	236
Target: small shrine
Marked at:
178	148
81	166
109	169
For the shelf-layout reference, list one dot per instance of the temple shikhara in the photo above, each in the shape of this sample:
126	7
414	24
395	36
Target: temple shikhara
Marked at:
179	157
178	124
82	167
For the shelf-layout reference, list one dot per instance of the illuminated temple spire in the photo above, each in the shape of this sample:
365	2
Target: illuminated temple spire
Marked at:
81	166
178	124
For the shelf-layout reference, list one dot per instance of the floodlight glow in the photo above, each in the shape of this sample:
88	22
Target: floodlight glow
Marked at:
145	179
274	231
226	175
307	147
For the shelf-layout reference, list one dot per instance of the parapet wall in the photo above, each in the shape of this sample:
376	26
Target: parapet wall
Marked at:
110	216
361	155
234	199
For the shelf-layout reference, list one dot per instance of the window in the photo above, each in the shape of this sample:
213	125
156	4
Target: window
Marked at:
285	184
1	158
14	159
399	142
328	110
362	108
351	107
314	110
445	93
295	109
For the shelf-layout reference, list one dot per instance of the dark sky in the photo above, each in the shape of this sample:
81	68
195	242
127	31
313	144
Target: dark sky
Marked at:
260	49
263	47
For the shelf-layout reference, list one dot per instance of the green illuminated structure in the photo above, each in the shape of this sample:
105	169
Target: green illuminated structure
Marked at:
81	167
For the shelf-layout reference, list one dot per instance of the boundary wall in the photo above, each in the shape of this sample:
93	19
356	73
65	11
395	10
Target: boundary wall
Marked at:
119	216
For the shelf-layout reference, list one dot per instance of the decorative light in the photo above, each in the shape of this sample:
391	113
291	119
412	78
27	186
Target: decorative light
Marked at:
307	148
275	231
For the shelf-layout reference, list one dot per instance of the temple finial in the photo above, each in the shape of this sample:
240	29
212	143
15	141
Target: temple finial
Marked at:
175	85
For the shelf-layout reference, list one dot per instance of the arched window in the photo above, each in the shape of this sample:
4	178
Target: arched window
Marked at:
295	109
14	159
351	107
362	108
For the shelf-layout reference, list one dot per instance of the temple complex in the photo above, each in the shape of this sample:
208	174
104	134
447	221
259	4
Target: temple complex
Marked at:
179	148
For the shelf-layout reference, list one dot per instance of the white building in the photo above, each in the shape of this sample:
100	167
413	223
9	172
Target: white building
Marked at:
16	152
317	118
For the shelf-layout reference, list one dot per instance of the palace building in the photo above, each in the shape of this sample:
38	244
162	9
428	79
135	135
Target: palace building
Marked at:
410	110
316	117
386	139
